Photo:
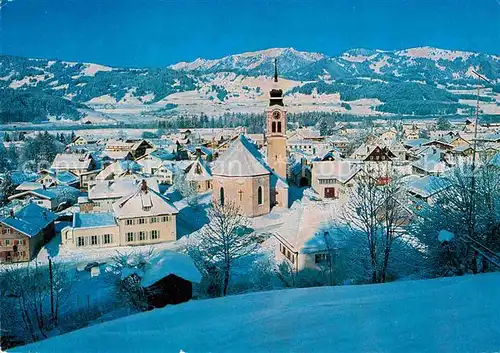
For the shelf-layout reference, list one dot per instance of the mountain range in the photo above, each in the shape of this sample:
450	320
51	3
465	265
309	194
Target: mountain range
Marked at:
420	81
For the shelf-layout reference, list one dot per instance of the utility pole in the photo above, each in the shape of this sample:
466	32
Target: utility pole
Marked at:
51	277
474	153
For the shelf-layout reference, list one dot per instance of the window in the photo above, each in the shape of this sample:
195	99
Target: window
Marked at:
154	219
141	221
221	196
142	236
129	222
7	241
259	195
130	236
9	230
80	241
93	240
279	126
273	129
154	234
321	258
165	219
107	238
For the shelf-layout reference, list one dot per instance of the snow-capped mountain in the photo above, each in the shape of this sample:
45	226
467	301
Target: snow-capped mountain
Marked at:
415	81
258	62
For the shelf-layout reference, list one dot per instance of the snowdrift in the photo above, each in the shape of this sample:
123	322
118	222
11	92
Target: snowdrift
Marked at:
446	315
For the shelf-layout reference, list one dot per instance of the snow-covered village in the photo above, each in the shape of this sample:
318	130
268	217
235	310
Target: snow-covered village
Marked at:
270	201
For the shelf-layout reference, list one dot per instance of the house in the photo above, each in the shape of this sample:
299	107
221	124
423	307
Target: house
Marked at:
427	187
140	218
54	198
137	148
50	178
145	217
431	162
169	279
24	232
81	141
307	140
306	242
103	194
333	177
199	176
90	230
340	143
119	170
76	163
195	152
152	161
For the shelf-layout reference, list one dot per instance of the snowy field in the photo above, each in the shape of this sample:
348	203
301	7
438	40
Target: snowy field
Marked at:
443	315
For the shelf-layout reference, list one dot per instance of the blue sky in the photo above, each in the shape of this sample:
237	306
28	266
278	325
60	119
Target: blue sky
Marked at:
141	33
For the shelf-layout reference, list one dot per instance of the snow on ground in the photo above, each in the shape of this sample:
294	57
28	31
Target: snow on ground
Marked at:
450	315
92	69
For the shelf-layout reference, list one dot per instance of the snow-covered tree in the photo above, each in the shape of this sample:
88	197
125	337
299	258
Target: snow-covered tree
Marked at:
130	268
7	189
224	240
376	211
468	208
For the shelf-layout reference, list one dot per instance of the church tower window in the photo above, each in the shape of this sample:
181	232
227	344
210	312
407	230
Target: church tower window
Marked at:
259	195
274	126
279	126
221	196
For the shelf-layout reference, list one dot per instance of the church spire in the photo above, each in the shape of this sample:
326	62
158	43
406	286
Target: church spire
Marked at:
276	94
275	70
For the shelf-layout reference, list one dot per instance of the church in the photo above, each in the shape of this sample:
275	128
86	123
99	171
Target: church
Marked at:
242	176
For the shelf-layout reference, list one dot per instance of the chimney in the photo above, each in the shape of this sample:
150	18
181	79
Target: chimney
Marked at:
144	186
11	213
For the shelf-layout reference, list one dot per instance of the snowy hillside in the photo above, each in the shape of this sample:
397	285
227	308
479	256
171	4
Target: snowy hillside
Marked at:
357	82
444	315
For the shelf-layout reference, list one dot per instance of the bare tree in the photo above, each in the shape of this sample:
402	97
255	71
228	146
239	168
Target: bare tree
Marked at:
468	207
226	239
27	294
376	210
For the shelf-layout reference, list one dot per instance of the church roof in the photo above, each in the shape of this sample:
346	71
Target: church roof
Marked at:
241	159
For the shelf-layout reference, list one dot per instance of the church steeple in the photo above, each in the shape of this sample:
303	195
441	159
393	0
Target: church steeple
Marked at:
275	70
276	94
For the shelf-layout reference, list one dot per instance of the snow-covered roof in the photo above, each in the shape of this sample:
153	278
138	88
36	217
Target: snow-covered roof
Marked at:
170	263
29	185
306	223
198	171
427	186
343	171
66	178
143	202
30	220
77	161
118	188
495	160
241	159
93	220
117	155
118	168
60	193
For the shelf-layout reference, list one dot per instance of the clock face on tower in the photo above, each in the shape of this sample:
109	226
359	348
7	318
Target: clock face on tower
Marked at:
276	114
